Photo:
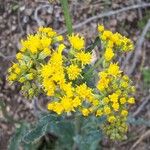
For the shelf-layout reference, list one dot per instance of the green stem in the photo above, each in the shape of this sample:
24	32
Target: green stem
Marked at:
94	67
65	7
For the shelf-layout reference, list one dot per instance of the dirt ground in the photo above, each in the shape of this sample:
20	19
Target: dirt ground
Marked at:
20	17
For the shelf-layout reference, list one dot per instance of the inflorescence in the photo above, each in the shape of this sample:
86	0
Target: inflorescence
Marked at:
46	65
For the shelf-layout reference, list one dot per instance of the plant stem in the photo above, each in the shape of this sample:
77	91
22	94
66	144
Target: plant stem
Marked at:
93	67
65	7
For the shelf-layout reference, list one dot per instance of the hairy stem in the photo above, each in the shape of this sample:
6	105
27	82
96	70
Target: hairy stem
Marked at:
65	7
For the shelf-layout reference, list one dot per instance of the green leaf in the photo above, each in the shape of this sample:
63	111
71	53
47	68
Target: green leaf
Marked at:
64	130
16	138
97	42
40	129
90	140
91	134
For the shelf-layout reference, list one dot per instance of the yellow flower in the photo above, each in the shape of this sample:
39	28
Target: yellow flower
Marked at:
114	97
124	113
102	74
19	56
99	113
67	88
100	28
115	106
30	76
76	41
22	79
125	77
95	102
17	70
50	106
76	102
123	100
107	110
111	119
45	42
124	84
61	47
67	104
103	84
73	72
83	91
47	51
85	112
12	77
114	69
59	38
107	34
108	54
131	100
85	58
106	100
58	108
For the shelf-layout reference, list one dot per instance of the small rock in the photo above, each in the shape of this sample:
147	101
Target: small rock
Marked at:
22	8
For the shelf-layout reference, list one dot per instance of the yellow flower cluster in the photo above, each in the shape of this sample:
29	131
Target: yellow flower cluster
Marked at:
113	42
114	86
31	56
46	64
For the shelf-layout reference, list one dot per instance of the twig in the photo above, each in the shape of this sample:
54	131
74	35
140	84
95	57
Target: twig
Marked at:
138	50
7	57
145	135
144	102
37	19
126	60
106	14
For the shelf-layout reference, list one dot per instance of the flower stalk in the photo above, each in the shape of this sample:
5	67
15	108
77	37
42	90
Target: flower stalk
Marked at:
65	7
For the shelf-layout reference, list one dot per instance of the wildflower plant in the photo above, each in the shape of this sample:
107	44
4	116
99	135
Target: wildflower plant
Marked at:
46	64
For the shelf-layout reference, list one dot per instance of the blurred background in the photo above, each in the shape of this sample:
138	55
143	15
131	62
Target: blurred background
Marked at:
129	17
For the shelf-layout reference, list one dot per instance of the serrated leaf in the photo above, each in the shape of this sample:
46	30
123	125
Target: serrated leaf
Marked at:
97	42
35	134
64	130
90	141
40	129
16	138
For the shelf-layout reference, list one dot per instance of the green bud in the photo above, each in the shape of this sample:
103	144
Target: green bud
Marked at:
22	79
30	76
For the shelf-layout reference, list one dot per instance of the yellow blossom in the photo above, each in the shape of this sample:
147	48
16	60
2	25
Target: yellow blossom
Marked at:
76	41
111	119
124	113
73	72
108	55
99	113
19	56
100	28
113	69
115	106
114	97
131	100
123	100
107	110
85	112
85	58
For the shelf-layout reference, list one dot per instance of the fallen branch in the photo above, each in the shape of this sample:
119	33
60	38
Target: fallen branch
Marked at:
106	14
7	57
138	50
37	19
145	135
140	108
